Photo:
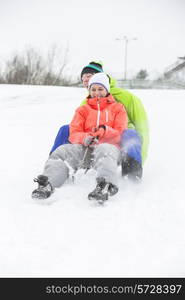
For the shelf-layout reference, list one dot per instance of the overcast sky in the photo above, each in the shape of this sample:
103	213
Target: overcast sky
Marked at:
90	28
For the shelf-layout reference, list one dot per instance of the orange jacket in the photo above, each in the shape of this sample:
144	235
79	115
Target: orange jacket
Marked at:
99	111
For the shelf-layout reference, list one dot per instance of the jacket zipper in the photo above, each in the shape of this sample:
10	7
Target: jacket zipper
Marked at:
98	115
106	116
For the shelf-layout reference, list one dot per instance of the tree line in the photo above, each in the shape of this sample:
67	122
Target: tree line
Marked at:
32	67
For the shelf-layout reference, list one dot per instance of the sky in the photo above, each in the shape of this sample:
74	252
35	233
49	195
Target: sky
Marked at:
138	233
90	30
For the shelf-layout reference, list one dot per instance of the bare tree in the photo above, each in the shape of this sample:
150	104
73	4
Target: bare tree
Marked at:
1	75
58	60
31	67
35	65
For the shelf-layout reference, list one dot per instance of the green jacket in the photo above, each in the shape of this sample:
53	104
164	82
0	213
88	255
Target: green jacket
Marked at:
137	117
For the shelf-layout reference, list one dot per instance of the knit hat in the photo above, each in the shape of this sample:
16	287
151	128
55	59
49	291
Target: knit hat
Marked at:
100	78
92	68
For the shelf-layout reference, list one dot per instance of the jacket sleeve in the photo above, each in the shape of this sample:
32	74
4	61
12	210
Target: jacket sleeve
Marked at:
113	134
137	116
76	131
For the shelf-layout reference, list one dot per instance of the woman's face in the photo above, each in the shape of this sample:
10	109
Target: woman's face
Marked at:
97	90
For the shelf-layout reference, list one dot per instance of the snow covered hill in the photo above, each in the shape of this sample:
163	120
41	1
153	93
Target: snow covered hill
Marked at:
138	233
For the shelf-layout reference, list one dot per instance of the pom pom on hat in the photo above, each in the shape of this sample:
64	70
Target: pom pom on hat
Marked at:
100	78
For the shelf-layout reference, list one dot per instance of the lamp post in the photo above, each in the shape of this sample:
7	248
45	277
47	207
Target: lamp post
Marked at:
126	40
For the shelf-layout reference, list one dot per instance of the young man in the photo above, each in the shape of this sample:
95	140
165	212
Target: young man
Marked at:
97	124
135	140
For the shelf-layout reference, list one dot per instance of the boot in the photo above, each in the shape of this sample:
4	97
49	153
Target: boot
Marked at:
103	190
44	189
132	169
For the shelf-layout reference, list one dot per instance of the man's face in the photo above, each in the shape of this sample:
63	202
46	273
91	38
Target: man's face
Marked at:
85	79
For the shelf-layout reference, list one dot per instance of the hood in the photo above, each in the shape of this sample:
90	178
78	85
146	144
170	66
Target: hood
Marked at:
113	82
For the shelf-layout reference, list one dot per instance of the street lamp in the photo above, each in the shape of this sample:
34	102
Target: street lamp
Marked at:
126	40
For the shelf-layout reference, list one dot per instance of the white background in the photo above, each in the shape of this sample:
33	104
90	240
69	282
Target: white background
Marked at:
90	29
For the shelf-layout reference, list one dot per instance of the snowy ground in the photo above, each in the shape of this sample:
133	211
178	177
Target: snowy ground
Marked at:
139	233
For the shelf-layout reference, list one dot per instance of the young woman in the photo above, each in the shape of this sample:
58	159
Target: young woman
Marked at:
97	124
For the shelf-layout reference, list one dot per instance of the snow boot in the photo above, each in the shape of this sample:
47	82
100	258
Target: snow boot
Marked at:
44	189
103	190
131	168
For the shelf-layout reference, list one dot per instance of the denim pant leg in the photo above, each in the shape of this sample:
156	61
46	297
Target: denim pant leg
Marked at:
61	138
131	144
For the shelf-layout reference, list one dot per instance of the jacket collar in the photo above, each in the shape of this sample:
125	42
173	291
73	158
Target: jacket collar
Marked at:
100	102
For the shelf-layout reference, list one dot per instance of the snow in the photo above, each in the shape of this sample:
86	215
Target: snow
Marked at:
138	233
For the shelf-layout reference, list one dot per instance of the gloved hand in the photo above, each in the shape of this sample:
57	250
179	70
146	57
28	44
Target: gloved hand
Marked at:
88	140
99	133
